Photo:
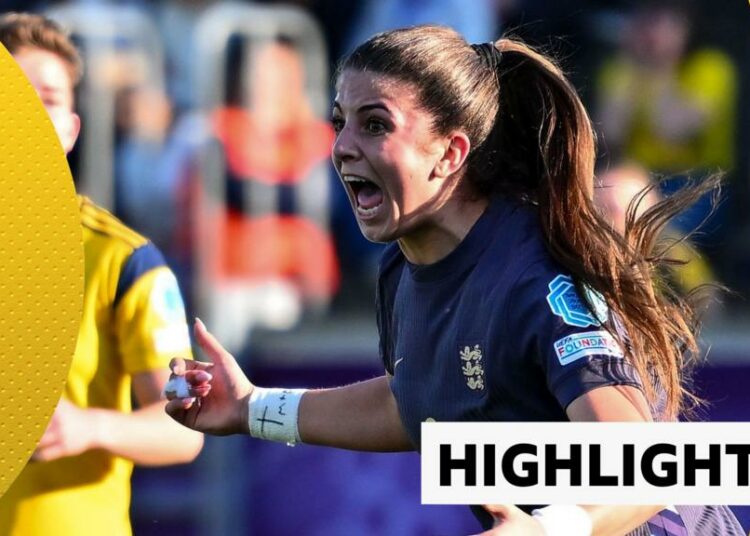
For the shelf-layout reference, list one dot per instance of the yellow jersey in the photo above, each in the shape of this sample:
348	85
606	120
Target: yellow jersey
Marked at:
133	321
708	80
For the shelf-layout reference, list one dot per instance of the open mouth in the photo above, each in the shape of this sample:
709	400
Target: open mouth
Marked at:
367	194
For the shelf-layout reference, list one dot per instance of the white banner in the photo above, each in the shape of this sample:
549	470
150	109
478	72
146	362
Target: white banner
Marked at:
585	463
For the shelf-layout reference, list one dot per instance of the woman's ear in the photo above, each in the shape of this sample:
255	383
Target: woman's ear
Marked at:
454	155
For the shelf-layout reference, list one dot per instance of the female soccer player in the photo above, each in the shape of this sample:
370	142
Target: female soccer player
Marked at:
476	163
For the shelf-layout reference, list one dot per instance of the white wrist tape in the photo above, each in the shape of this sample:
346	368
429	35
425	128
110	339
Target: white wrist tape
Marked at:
272	414
564	520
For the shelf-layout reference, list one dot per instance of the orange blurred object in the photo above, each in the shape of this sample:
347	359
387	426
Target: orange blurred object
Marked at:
272	155
276	141
276	246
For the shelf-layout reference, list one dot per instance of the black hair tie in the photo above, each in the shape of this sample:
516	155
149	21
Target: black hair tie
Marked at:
488	54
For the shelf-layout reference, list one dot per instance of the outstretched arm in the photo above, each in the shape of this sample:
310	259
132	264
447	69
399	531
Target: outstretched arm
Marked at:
362	416
145	436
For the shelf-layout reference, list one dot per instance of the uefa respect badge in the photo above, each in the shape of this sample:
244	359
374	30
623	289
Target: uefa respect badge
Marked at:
41	269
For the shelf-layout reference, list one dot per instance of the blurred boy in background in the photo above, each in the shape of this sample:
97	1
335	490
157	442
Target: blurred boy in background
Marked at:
78	480
616	189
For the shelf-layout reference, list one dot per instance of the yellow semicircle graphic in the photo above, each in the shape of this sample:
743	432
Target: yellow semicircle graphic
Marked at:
41	269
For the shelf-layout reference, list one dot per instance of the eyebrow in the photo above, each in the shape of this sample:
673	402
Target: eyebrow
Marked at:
366	107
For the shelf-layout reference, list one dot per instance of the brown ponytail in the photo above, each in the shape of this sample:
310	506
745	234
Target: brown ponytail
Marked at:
533	140
548	141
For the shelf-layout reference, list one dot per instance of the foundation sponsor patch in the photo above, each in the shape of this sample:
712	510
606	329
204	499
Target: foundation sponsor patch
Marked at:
578	345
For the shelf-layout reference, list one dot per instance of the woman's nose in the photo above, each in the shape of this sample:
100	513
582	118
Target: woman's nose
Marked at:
345	146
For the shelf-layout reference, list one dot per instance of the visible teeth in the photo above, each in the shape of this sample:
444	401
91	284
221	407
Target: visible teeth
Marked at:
368	211
352	178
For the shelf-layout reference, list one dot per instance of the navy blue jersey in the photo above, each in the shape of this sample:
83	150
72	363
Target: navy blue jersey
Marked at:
495	331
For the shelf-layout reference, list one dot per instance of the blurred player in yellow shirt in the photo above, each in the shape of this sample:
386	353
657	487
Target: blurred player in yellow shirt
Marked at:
78	481
663	104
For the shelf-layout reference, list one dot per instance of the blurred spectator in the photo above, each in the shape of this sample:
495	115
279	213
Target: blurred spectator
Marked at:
670	108
622	185
275	141
662	105
143	116
267	143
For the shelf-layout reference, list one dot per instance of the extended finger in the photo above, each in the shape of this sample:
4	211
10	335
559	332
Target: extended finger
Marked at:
180	365
198	382
193	383
212	348
198	377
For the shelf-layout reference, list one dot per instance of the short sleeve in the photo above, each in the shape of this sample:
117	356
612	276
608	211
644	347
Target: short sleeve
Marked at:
554	329
150	323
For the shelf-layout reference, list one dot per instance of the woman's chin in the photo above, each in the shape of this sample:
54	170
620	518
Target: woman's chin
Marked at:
375	232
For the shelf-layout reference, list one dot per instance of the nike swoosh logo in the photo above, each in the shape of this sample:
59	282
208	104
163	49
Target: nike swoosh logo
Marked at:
395	363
